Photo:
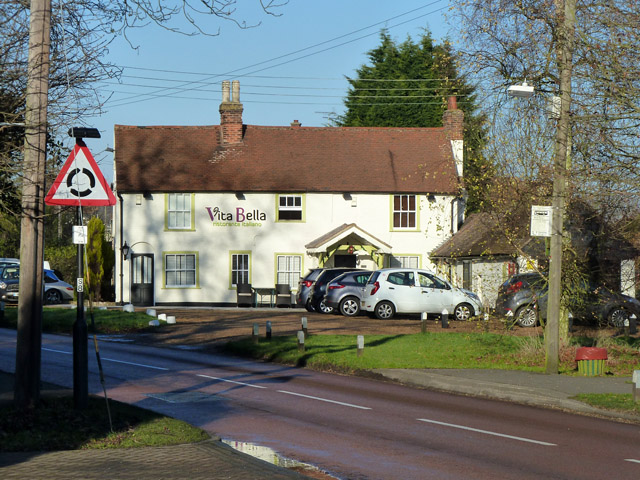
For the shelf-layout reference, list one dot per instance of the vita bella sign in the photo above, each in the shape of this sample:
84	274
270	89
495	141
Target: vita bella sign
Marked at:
80	182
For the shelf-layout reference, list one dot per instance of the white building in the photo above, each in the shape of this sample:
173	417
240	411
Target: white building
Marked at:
201	209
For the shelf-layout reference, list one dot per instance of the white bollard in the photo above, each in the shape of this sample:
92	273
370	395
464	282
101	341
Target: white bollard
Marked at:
171	319
154	323
360	342
301	341
635	380
128	308
151	312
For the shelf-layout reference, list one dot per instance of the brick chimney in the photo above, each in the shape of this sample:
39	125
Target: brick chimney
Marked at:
231	114
453	122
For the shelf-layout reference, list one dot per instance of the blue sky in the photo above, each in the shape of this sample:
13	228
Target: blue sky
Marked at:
291	67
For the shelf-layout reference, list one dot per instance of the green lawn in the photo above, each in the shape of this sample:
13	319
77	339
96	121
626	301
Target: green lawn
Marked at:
430	350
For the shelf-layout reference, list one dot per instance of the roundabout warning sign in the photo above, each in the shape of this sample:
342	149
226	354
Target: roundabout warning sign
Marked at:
80	182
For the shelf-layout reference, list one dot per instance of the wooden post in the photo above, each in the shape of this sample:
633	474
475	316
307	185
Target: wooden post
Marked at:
444	318
268	330
29	328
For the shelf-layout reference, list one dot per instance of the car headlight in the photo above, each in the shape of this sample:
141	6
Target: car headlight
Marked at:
3	285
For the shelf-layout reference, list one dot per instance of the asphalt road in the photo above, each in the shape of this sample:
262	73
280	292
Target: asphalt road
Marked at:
351	427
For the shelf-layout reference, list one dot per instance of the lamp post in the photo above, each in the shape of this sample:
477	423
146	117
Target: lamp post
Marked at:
566	24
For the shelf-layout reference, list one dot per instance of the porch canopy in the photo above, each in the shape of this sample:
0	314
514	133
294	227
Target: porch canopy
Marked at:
348	239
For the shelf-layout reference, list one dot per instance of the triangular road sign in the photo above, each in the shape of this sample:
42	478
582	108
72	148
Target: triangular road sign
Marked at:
80	182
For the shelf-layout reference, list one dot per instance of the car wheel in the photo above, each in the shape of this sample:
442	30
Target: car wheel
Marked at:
385	310
463	312
309	307
526	316
350	307
323	307
52	297
617	316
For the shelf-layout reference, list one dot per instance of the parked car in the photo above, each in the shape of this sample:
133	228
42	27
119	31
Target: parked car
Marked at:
407	290
304	286
525	298
55	290
9	261
517	297
319	288
344	292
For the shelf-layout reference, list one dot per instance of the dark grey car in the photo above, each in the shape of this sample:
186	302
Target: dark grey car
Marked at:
345	291
517	297
304	287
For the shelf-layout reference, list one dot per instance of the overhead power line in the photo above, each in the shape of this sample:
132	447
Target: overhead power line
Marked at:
166	91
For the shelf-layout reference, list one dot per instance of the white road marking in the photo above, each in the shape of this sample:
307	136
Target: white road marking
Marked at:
56	351
232	381
487	432
324	400
134	364
111	360
632	460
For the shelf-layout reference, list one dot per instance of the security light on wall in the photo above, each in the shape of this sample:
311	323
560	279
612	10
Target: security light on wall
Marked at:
522	91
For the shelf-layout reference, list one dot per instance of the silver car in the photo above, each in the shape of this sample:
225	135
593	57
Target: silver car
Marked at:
407	290
344	292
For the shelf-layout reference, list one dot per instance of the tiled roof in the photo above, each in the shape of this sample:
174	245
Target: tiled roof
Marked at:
480	235
285	159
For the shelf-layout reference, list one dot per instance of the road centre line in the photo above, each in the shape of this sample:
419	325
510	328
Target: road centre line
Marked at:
632	460
231	381
110	360
325	400
487	432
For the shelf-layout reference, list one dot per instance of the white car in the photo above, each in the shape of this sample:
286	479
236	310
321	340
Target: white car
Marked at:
407	290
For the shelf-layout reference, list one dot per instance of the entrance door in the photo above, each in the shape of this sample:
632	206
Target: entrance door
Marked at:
348	261
142	279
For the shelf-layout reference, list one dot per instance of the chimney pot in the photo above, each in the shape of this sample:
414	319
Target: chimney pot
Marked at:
225	91
235	91
452	103
296	123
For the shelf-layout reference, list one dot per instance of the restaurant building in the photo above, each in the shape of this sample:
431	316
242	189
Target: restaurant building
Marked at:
203	208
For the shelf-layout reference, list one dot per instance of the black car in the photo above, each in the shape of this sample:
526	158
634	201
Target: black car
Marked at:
345	291
304	287
315	302
525	298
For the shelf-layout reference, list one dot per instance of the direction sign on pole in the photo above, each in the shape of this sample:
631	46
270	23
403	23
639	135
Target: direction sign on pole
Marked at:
80	182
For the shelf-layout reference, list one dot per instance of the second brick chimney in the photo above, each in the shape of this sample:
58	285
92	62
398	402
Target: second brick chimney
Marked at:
231	114
453	122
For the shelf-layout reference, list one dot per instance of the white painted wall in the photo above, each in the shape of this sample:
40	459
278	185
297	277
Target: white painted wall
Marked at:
144	231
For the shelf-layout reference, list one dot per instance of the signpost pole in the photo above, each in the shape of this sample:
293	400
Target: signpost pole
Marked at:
80	360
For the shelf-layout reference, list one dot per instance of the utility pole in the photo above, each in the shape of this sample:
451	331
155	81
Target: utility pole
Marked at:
29	331
566	12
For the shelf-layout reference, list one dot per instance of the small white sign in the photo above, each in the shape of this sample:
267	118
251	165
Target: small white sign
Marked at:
541	217
79	285
80	234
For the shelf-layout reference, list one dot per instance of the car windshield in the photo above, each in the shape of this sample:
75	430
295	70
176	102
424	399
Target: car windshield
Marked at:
11	273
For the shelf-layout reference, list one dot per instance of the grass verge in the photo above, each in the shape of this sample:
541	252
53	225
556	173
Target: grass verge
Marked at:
611	401
56	425
431	350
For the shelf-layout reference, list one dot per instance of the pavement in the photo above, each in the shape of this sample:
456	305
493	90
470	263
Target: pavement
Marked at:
213	459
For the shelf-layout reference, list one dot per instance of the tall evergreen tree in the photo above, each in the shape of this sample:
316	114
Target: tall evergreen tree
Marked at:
407	85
